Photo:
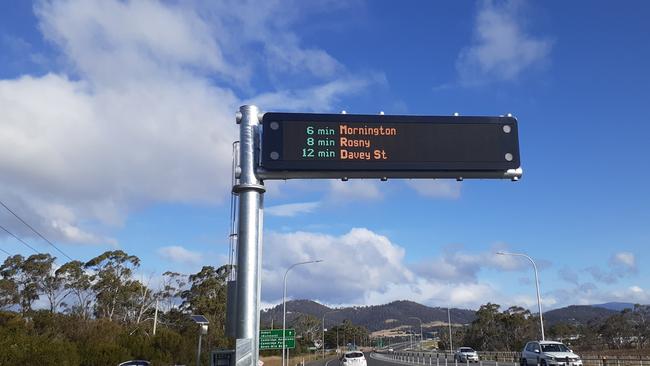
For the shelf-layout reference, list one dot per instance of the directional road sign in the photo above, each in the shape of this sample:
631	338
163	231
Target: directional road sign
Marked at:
304	145
272	339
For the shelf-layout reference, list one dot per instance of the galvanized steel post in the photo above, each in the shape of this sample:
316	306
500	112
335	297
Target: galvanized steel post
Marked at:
249	254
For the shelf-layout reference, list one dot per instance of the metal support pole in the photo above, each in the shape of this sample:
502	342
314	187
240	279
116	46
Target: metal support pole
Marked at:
451	341
284	310
249	253
337	330
155	319
198	351
539	298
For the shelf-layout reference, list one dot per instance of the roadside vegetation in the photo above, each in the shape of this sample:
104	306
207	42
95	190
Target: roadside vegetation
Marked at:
100	313
626	333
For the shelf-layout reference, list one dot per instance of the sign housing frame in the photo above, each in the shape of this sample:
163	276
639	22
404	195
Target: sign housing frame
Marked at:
277	168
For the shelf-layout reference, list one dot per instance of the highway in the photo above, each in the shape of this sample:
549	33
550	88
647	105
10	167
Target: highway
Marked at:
380	359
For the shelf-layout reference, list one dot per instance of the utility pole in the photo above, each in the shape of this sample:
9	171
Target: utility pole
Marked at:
337	343
420	320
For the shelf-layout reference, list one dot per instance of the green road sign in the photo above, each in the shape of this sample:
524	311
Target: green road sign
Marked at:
272	339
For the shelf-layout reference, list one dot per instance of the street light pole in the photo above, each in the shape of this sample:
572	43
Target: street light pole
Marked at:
539	298
451	341
420	320
337	343
284	307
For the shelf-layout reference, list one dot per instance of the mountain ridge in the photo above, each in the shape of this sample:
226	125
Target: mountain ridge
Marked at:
398	314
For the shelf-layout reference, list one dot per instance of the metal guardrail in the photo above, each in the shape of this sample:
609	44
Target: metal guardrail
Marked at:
437	358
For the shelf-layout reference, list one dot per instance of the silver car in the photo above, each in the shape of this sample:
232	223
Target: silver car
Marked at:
466	354
547	353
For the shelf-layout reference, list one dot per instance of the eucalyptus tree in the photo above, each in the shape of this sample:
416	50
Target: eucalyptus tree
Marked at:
111	281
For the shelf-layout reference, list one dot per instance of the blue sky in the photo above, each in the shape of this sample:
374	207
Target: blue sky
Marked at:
117	118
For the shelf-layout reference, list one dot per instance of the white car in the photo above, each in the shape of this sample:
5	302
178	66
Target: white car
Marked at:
353	358
466	354
547	353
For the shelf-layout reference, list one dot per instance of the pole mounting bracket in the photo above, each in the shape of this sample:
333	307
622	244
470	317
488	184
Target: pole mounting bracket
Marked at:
238	188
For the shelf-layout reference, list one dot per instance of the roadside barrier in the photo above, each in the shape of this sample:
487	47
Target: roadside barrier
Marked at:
508	359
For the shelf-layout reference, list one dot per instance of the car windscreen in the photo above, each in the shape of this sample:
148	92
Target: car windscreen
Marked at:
353	355
466	350
554	348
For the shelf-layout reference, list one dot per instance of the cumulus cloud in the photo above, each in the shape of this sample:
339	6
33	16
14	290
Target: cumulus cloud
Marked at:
356	262
459	266
179	254
589	294
292	209
139	105
621	264
437	188
363	267
316	98
469	295
502	49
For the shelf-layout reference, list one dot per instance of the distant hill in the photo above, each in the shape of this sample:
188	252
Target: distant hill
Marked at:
397	313
577	314
616	306
376	317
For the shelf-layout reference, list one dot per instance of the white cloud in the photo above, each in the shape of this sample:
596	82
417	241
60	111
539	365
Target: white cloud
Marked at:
356	190
625	260
139	106
318	98
354	263
502	49
179	254
362	267
458	266
436	188
621	264
588	294
436	293
292	209
287	56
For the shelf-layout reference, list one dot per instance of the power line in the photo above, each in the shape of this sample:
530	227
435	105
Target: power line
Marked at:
5	252
19	239
34	230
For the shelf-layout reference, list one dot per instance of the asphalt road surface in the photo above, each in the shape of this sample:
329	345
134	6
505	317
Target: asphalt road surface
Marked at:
377	359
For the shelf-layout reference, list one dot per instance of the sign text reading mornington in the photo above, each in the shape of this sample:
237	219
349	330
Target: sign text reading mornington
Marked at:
303	145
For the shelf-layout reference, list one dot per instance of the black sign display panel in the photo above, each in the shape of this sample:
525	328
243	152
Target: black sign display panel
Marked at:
349	142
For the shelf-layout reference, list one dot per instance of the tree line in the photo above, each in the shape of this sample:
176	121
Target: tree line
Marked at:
98	313
510	329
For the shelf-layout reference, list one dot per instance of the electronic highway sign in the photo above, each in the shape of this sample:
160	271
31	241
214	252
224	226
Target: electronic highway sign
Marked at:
304	145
